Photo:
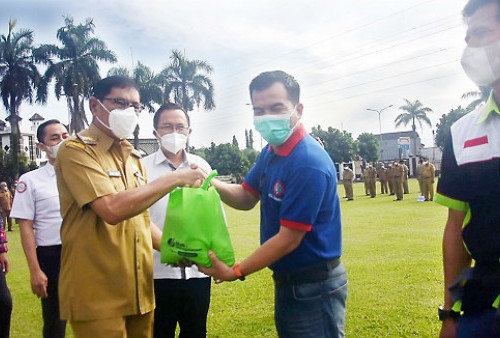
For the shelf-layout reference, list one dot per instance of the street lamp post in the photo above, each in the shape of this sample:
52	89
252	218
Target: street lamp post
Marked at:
380	126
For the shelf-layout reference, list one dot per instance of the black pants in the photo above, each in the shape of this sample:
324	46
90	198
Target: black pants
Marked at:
49	258
5	307
183	301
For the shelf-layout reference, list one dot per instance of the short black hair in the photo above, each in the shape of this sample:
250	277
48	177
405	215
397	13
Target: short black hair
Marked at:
40	132
168	106
104	86
267	79
473	5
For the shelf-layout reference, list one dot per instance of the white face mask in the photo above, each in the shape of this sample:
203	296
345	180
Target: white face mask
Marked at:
482	64
173	142
52	150
122	122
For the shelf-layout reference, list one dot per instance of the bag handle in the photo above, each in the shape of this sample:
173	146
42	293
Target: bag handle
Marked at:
209	178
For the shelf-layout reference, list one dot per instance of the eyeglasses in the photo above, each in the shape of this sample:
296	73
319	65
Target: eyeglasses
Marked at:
170	128
124	104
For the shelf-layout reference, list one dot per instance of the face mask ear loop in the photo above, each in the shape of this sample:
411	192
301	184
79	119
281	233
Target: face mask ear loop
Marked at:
97	117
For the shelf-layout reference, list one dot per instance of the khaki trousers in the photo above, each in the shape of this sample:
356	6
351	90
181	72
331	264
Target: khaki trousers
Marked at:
136	326
348	190
428	186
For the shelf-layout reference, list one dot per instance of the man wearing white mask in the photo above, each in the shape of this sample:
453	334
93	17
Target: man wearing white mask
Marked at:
182	294
301	242
470	187
36	208
106	278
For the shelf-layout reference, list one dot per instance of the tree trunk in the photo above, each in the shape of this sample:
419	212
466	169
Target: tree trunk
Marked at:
77	113
14	138
136	137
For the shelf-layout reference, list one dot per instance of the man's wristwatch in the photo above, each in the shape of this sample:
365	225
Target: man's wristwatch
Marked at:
447	314
237	272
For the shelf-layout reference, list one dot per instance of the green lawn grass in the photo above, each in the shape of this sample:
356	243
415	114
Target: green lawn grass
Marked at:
392	252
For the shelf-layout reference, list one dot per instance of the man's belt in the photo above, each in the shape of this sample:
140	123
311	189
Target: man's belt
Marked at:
310	274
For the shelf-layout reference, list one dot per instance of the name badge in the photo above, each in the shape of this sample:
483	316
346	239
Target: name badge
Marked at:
114	173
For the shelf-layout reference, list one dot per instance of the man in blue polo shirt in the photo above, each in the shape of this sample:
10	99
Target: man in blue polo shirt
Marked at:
470	187
301	242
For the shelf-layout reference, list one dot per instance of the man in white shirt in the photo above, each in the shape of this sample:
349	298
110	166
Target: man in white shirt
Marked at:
36	208
182	294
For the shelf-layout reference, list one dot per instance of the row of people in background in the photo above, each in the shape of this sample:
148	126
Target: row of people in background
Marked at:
393	180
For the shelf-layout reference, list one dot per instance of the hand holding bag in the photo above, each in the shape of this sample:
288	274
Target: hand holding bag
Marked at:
195	224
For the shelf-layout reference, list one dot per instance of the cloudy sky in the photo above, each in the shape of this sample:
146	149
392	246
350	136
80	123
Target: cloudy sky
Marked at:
347	55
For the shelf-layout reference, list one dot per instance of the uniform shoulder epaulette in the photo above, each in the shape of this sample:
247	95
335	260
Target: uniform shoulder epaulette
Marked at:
136	153
87	139
74	144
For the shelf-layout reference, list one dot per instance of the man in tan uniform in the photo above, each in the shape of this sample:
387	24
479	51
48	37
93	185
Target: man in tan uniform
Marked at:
398	180
106	278
420	168
6	204
405	177
428	173
347	179
366	181
382	175
372	180
390	179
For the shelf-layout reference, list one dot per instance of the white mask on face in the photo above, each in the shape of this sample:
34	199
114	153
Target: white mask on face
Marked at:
482	64
173	142
52	150
122	122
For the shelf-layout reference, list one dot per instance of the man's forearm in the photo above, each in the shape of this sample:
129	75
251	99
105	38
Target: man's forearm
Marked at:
126	204
235	195
29	244
156	234
455	256
281	244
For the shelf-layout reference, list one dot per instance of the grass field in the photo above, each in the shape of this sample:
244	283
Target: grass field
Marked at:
392	252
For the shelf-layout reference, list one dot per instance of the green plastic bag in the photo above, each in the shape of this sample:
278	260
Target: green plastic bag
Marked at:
195	224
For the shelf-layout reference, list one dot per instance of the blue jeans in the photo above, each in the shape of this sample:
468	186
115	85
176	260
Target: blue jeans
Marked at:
312	309
479	325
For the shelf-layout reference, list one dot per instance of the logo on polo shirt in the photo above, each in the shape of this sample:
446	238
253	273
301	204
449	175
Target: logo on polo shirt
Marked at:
21	187
278	189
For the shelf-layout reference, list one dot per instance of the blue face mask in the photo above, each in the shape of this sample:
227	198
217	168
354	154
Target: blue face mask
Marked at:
275	129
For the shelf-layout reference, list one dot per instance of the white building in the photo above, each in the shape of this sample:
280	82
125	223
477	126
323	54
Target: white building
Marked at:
28	141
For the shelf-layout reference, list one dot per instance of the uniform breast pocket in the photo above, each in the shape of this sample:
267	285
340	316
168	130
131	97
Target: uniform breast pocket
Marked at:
118	183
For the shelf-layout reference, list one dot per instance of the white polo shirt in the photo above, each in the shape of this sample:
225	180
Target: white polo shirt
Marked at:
158	164
37	199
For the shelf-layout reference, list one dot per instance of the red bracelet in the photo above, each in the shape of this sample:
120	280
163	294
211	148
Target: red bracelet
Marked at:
237	272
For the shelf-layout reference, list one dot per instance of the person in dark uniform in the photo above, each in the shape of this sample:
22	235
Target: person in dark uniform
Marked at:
469	187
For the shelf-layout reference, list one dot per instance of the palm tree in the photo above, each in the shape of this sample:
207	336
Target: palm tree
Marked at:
77	70
18	79
414	111
478	96
149	88
186	82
